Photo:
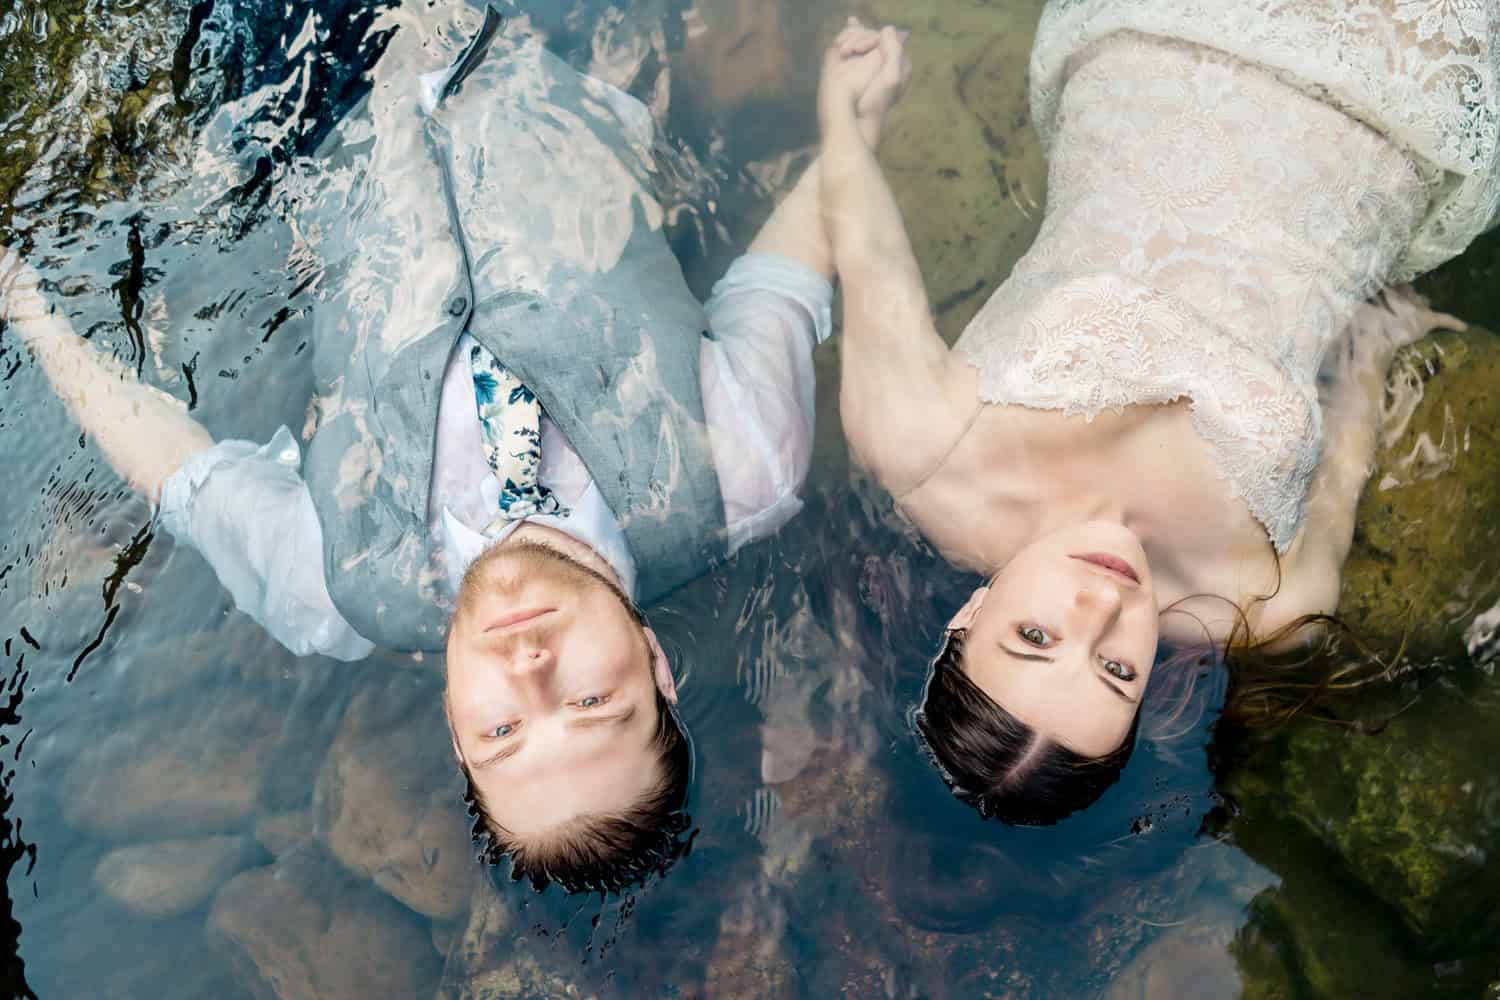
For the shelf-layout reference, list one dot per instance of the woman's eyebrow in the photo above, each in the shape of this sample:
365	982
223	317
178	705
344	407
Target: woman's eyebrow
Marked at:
1026	656
1115	688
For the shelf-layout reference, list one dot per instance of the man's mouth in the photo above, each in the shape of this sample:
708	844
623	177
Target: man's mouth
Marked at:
1112	563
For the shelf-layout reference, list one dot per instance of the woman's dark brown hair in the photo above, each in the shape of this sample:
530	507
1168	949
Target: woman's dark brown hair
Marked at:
998	764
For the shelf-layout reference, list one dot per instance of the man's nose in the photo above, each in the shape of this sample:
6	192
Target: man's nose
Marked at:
525	655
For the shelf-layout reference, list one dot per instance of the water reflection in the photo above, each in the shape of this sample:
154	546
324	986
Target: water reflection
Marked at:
208	813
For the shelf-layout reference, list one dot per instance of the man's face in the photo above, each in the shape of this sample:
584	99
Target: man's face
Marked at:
552	689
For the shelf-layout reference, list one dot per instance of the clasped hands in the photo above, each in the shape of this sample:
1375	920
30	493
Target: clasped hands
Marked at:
865	72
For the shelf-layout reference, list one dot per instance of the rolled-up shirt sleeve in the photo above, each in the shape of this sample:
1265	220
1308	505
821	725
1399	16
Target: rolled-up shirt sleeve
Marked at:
766	315
247	510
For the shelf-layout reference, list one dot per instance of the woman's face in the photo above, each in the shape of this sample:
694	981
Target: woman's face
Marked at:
1064	636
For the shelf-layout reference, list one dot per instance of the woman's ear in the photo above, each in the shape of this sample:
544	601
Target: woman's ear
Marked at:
965	616
661	670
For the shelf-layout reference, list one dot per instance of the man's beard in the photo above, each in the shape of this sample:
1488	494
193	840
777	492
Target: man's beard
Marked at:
510	565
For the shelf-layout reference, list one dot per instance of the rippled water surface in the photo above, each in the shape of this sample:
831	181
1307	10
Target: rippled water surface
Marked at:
190	811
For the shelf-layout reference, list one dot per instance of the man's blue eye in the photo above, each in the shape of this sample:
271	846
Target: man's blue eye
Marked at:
504	729
591	701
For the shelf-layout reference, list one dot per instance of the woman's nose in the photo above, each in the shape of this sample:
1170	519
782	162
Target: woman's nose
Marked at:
1099	596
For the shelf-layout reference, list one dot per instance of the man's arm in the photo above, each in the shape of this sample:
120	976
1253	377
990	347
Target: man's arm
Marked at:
144	433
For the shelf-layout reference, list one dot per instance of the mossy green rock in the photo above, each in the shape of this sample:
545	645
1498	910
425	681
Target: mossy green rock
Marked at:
1424	559
1407	814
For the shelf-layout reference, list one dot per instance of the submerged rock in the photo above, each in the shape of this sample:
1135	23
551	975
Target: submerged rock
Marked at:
283	832
1408	811
492	958
168	877
1193	962
304	929
173	773
1426	556
389	799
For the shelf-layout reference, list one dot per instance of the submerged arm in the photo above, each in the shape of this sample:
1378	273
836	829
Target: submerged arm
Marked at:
144	433
1351	431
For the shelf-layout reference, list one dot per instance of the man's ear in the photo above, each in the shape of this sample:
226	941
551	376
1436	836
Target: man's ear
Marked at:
458	754
661	670
966	614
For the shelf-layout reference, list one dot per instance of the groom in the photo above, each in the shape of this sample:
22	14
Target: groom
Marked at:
527	427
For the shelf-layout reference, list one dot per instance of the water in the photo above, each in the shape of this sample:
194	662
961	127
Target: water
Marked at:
190	811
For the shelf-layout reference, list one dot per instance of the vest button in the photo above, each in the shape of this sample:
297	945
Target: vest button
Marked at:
457	305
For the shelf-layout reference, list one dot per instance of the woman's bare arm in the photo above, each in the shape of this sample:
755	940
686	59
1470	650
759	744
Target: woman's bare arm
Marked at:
1313	569
895	365
144	433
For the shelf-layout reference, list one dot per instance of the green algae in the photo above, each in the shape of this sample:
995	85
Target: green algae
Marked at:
87	99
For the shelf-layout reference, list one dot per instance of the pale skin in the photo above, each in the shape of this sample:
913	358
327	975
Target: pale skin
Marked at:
1018	494
570	693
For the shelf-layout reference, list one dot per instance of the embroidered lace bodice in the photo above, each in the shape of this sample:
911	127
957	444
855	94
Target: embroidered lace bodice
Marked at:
1213	223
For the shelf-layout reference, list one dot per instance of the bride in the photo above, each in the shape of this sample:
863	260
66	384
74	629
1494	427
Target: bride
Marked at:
1158	427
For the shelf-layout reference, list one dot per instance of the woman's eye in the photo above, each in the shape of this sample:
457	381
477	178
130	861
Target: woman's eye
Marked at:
1124	671
502	730
1034	635
591	701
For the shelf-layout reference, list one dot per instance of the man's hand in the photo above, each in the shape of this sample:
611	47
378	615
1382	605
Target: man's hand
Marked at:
20	288
865	72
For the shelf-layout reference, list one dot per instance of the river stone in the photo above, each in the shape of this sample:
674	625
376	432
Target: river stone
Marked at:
302	929
1408	811
283	832
173	773
168	877
1424	563
389	799
492	958
1186	963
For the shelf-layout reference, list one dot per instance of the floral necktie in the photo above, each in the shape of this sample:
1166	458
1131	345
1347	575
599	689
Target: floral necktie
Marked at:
510	420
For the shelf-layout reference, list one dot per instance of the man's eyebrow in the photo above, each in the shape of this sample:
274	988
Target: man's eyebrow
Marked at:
1115	688
510	750
1026	656
595	719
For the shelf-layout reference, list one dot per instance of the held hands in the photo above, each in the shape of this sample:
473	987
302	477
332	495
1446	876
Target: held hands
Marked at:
865	72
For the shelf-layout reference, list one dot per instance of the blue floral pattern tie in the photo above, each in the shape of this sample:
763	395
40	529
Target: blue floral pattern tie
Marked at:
510	422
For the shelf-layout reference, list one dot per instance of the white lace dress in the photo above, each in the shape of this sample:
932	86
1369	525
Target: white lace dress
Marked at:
1228	180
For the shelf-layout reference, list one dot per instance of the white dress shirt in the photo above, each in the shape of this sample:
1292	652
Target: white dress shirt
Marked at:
246	508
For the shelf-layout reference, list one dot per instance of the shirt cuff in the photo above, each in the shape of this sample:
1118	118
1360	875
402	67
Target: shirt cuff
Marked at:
177	492
781	275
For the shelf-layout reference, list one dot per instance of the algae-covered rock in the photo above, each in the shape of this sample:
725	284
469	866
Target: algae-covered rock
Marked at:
1424	562
1406	813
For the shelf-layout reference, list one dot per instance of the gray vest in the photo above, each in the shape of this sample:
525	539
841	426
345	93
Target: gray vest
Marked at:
517	208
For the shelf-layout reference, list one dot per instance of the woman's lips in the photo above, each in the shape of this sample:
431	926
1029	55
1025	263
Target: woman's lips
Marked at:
514	618
1112	563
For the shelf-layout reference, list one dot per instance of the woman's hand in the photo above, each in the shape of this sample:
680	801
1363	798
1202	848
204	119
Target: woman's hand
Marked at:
865	72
